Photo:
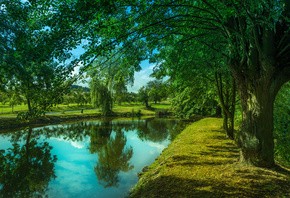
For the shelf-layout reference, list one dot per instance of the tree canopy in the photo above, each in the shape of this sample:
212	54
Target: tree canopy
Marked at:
249	39
35	51
252	37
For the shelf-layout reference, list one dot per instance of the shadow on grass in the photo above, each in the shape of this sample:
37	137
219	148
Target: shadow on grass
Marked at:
209	168
171	186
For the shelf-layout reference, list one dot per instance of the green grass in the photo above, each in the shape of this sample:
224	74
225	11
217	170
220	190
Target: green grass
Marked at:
202	162
6	109
73	111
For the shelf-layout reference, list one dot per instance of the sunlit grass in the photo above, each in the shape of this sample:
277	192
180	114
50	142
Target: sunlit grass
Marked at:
202	162
75	109
74	112
6	109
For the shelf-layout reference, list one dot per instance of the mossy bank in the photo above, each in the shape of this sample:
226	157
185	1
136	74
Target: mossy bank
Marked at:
202	162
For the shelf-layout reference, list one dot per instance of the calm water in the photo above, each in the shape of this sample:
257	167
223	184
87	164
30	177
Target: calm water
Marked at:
82	159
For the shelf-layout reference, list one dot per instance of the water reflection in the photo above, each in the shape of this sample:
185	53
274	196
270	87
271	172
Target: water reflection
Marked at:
99	135
113	155
152	130
111	151
26	169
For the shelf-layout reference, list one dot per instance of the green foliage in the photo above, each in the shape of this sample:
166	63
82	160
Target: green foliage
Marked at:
190	101
26	169
30	115
34	59
189	39
143	96
101	97
80	97
183	103
113	157
157	90
282	125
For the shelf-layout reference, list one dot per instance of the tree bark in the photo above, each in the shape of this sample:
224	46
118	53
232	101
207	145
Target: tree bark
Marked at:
256	135
147	104
29	104
227	99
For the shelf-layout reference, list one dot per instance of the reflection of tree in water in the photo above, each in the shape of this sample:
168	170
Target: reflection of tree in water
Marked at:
100	135
158	130
175	128
112	153
114	156
153	130
72	132
26	169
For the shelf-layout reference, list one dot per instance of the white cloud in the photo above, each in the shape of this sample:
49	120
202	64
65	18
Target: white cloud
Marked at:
141	78
78	145
75	144
157	146
71	179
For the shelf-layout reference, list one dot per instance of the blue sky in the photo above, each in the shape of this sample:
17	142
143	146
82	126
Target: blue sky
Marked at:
142	77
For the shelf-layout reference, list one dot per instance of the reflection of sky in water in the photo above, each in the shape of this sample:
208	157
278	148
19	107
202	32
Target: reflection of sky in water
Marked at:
74	168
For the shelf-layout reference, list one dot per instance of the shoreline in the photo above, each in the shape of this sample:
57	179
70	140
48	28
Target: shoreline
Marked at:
14	123
7	124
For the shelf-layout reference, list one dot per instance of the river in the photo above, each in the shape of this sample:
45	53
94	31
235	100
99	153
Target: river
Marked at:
95	158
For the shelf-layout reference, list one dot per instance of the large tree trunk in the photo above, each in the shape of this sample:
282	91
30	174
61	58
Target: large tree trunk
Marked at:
259	70
256	135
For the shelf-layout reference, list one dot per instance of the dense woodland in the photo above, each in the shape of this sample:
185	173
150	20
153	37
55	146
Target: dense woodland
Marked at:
223	58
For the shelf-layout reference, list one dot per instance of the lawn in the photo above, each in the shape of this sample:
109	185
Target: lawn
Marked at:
202	162
75	109
59	113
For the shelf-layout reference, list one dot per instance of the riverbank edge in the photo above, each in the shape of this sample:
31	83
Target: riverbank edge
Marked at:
7	123
202	162
14	123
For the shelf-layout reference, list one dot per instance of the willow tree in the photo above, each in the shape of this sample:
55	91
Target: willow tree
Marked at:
101	96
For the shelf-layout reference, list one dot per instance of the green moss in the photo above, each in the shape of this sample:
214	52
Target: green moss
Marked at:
202	162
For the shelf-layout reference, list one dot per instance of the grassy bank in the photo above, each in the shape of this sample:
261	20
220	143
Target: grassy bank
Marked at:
62	113
202	162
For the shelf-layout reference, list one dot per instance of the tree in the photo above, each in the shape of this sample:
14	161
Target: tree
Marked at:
3	98
143	95
120	91
191	78
35	51
15	99
157	90
252	37
80	97
101	96
260	69
226	89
